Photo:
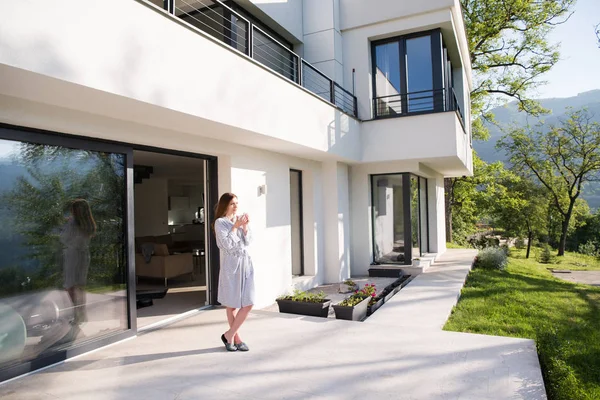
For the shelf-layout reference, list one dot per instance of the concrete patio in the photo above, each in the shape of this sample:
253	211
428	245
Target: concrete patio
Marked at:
398	353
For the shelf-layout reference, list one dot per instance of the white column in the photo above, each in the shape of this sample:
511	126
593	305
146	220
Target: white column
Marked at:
336	220
437	215
322	37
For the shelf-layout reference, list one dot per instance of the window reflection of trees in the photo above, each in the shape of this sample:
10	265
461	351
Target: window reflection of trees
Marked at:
38	203
34	205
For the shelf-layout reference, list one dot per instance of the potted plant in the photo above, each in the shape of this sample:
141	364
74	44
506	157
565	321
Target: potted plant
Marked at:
348	286
304	303
355	307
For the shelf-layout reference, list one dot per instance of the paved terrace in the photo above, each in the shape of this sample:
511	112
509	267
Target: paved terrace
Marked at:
398	353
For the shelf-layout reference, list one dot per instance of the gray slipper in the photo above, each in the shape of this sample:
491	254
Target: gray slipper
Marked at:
228	346
242	346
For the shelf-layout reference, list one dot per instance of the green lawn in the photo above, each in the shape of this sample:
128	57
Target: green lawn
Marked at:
526	301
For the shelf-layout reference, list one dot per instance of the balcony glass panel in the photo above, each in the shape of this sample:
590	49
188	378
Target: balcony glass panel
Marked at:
387	79
419	71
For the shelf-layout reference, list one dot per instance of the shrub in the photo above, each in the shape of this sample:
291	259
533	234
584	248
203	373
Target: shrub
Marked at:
590	248
520	243
491	258
561	380
546	256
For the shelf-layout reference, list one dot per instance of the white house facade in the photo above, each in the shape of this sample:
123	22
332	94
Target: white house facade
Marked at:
335	123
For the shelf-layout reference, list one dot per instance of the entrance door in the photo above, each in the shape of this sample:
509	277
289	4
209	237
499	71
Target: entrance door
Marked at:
171	234
296	222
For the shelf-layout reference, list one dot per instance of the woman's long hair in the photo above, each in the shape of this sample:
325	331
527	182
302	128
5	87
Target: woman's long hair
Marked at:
82	215
221	208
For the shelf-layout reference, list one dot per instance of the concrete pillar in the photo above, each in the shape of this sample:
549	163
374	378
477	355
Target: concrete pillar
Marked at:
437	215
322	37
336	220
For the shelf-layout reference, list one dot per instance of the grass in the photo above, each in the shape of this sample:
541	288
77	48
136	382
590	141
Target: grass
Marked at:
450	245
526	301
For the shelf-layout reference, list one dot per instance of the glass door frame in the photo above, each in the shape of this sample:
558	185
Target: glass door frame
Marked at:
407	214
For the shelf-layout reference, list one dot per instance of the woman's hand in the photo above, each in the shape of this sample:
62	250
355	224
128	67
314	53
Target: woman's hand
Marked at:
246	221
239	222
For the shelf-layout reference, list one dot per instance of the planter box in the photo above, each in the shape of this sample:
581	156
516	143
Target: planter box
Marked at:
352	313
374	307
383	272
389	296
302	308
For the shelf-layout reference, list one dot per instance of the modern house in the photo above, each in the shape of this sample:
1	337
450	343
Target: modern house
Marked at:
335	123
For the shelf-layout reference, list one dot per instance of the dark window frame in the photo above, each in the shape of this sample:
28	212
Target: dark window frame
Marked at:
440	103
301	198
407	210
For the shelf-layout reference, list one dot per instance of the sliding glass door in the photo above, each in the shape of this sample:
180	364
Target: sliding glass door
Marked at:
63	248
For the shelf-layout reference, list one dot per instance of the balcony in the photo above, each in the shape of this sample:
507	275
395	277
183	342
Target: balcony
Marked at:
415	103
435	139
244	35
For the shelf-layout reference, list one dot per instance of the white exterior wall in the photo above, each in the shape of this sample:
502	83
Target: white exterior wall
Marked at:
286	13
323	39
437	140
336	201
437	215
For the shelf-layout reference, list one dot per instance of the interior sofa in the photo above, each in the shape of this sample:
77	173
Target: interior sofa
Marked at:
163	263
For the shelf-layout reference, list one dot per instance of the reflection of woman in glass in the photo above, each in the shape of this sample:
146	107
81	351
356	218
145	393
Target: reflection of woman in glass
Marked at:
75	238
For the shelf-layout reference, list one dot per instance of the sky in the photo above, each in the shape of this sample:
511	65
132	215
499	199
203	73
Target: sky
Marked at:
579	68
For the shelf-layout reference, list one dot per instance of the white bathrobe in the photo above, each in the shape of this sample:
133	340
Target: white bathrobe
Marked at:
236	278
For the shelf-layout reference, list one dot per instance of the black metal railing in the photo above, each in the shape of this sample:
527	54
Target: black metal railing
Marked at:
416	103
225	24
315	81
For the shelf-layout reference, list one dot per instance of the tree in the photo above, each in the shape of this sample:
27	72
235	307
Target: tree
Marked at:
519	206
467	200
563	159
509	49
509	53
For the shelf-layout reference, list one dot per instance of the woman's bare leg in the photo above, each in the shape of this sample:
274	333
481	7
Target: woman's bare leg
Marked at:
231	314
238	320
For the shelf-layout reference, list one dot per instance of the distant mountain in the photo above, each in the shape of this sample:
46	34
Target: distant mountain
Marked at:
509	115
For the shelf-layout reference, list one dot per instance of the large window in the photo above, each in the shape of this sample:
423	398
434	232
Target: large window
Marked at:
63	263
411	74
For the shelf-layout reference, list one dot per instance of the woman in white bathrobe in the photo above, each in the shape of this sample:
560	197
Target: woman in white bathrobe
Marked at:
236	278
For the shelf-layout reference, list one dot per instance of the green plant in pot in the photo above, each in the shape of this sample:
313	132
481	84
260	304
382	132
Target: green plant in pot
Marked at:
304	303
354	308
